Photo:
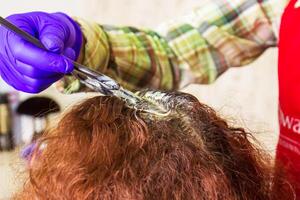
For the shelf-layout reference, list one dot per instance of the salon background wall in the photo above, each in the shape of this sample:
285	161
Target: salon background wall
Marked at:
247	96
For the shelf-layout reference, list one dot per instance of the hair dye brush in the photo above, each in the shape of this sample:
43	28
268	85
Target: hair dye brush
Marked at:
95	80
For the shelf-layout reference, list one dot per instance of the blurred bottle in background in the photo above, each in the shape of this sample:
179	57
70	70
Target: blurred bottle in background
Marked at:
6	137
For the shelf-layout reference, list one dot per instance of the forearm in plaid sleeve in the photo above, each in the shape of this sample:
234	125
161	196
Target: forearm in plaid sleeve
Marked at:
135	58
222	34
194	49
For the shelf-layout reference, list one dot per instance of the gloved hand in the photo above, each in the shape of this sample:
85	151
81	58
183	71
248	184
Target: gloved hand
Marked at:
30	69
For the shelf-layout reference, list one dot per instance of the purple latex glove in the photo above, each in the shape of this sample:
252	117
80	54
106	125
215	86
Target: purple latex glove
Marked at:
27	151
30	69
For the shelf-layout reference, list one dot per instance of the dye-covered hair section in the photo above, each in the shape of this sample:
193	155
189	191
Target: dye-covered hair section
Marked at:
101	149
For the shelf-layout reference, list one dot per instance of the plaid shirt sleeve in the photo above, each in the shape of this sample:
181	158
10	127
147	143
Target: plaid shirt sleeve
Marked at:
196	48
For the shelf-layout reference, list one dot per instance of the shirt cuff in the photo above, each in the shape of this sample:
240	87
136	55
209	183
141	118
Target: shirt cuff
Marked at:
95	56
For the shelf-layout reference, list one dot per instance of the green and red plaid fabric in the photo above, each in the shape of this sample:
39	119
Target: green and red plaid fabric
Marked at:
196	48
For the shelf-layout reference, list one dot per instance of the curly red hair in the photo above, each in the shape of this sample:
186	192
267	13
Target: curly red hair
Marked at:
102	149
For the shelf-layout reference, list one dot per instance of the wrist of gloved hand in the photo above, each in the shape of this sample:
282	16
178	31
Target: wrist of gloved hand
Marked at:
95	53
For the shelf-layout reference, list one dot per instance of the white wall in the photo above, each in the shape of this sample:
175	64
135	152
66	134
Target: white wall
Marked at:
18	6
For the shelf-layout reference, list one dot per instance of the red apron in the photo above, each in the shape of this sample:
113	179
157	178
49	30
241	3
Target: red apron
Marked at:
288	149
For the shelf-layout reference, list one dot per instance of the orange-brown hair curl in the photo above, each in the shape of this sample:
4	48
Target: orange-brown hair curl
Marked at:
101	149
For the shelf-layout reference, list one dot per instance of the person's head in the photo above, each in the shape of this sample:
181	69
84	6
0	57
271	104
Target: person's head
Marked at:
102	149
